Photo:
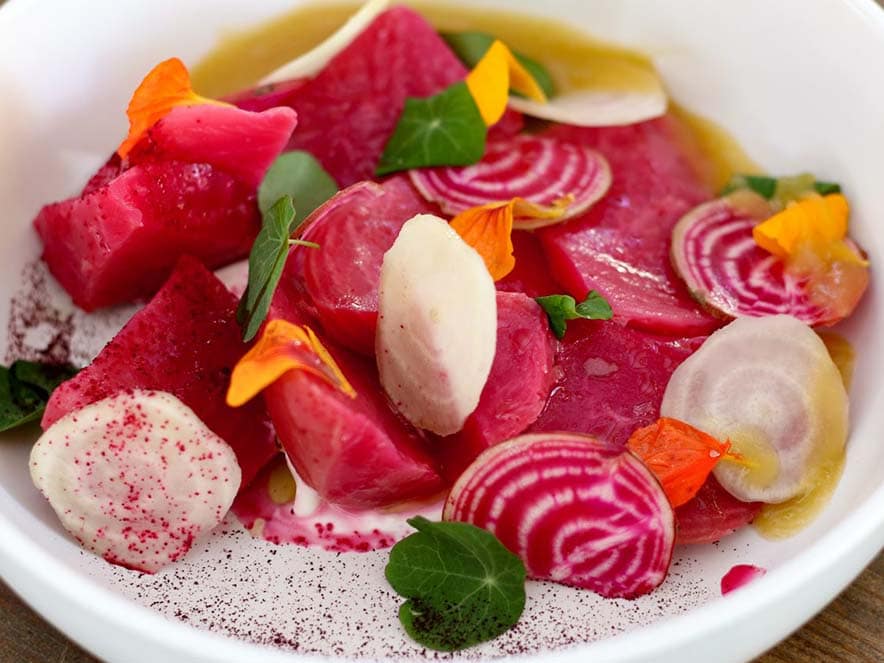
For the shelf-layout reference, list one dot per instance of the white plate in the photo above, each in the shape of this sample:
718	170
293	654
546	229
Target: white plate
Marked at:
798	83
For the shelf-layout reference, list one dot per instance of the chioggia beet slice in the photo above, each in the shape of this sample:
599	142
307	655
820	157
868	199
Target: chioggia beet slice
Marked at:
354	229
576	511
770	387
724	268
517	387
437	325
712	514
136	477
540	169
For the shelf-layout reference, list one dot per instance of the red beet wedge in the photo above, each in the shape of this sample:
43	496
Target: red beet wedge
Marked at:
575	510
712	514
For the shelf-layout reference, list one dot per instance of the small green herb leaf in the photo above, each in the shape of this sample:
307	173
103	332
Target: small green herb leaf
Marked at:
470	46
462	585
782	189
266	262
25	388
297	174
446	129
561	308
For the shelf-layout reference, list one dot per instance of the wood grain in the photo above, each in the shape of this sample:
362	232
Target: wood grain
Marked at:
850	629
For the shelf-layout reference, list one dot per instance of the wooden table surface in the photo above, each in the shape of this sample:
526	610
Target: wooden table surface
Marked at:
850	629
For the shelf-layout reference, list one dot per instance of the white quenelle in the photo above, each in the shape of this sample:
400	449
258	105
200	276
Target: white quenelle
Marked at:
136	477
437	325
769	385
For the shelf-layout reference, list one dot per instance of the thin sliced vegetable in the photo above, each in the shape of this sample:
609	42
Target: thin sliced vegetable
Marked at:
769	386
598	107
136	477
539	169
311	62
577	511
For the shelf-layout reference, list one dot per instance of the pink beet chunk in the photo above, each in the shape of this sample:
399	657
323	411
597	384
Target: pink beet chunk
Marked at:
354	229
611	379
517	387
237	142
740	576
357	453
185	342
713	514
576	511
348	111
620	247
531	275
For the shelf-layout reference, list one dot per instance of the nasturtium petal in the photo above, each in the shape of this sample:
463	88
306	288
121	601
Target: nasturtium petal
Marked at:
166	86
490	80
283	347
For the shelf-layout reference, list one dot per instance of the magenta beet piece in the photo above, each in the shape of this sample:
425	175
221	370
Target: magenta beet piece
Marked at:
739	576
354	229
712	514
357	453
348	111
517	388
620	247
186	342
237	142
576	511
611	379
536	168
265	97
531	274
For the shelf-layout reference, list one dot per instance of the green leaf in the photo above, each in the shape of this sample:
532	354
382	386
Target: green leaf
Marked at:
446	129
297	174
266	262
825	188
561	308
470	46
762	185
25	388
462	585
780	189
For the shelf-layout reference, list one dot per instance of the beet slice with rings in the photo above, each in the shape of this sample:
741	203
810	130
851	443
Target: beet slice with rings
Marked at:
714	252
611	379
354	229
577	511
620	246
539	169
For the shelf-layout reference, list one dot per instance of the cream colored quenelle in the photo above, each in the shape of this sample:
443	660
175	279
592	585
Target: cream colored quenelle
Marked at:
770	387
136	477
437	325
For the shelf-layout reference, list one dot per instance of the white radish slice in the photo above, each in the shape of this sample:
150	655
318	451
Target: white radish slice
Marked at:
437	325
311	62
576	511
136	477
598	108
769	385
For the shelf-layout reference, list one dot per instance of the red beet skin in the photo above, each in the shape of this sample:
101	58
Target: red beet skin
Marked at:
620	247
712	514
348	111
611	379
356	453
354	229
517	388
185	342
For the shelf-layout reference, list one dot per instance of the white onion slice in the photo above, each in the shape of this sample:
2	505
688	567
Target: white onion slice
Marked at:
597	108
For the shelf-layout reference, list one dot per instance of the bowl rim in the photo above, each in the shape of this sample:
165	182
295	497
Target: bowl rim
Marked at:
33	572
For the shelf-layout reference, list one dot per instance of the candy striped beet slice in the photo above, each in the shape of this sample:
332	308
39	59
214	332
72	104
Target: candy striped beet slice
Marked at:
577	511
540	169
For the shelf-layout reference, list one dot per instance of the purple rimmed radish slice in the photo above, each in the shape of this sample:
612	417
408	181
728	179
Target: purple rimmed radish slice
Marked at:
136	477
770	387
576	511
714	252
539	169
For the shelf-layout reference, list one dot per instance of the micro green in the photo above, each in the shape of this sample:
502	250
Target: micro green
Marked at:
561	308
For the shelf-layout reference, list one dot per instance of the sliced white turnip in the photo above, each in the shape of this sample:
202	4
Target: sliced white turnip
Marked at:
770	387
575	510
311	62
598	107
437	325
136	477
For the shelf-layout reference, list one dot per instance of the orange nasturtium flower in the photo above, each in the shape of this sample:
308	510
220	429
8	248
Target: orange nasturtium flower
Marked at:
166	86
492	78
281	348
489	228
679	455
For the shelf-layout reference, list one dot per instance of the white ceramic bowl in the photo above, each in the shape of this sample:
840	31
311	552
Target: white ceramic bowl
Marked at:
798	83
